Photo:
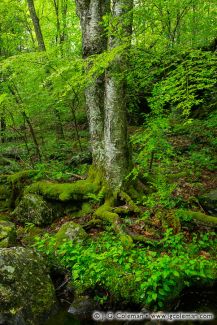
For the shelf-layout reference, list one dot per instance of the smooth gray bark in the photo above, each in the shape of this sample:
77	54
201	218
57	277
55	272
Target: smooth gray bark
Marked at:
94	41
105	97
115	130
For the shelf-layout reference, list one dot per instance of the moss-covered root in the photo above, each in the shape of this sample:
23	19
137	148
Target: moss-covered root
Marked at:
145	240
63	192
104	212
201	218
132	206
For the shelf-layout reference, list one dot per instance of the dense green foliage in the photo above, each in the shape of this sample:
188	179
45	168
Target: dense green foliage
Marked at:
171	94
143	276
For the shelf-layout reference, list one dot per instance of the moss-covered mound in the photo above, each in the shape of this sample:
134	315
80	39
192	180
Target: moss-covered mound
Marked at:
33	209
70	231
7	234
26	291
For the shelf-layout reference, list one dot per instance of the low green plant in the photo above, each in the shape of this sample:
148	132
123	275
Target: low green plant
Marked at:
137	275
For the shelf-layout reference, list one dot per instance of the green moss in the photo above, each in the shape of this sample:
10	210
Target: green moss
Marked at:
176	176
172	221
32	293
169	219
4	217
17	183
27	234
7	234
24	174
198	216
33	209
104	212
96	175
129	201
4	205
70	231
86	209
63	192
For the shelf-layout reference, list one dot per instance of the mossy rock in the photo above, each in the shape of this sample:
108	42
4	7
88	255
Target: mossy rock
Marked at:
70	231
26	235
33	209
7	234
27	294
209	202
82	307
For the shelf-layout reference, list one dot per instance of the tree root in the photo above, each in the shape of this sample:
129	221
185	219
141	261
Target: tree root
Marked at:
93	223
145	240
104	212
201	218
132	206
63	192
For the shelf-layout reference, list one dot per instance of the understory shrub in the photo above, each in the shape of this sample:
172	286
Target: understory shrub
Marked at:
140	275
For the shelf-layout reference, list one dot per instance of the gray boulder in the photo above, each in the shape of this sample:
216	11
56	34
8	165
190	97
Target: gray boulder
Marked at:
33	209
26	292
70	231
82	307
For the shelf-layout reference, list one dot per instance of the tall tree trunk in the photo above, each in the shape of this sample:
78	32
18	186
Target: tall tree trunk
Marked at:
37	27
115	130
94	41
105	97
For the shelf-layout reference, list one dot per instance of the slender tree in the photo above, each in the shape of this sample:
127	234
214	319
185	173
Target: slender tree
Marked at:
36	23
3	127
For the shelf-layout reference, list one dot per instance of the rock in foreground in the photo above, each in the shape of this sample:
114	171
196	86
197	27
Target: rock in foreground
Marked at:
32	208
26	292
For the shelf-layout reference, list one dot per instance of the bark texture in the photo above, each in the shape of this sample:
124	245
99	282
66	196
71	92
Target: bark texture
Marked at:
105	97
94	41
115	131
37	27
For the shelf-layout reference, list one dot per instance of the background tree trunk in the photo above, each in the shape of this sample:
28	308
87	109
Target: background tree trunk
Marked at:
3	127
37	27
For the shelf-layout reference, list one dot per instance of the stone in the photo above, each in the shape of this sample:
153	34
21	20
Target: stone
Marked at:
82	307
27	294
209	202
33	209
7	234
70	231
